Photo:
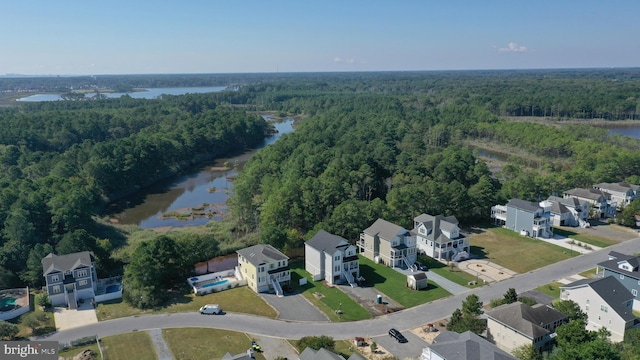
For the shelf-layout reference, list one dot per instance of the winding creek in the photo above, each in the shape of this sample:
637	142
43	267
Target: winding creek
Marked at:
205	188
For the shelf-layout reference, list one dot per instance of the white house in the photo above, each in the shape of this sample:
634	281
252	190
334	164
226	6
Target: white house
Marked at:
439	237
622	193
601	203
332	258
569	211
607	303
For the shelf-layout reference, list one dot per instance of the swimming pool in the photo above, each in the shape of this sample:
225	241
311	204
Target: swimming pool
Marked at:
7	304
112	289
220	282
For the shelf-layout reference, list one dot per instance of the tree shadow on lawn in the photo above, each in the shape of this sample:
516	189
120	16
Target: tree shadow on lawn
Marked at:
370	275
478	252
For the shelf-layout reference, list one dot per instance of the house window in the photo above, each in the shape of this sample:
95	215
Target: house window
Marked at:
82	282
55	278
634	292
587	307
337	258
604	308
587	301
337	269
56	289
82	273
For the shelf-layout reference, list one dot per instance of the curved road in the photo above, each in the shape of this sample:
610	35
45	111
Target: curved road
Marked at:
403	320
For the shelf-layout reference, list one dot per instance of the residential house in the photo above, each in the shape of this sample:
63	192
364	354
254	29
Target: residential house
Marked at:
626	269
569	211
601	205
248	355
450	345
525	217
439	237
389	244
324	354
264	267
69	278
513	325
607	303
622	193
332	258
417	281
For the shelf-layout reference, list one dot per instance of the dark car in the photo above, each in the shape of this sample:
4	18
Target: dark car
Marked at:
397	335
419	266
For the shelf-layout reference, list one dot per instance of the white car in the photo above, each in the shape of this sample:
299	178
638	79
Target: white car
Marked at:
211	309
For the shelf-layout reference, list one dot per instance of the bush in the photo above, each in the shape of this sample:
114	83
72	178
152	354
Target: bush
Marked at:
316	343
42	299
8	331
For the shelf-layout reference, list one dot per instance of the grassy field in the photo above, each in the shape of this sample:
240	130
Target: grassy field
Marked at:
393	285
199	343
585	238
454	274
590	274
326	298
515	252
136	345
552	289
240	299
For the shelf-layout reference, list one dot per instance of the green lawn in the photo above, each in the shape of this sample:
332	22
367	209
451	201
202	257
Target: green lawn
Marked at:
454	274
135	345
240	299
68	354
585	238
327	299
515	252
202	343
393	285
589	274
552	289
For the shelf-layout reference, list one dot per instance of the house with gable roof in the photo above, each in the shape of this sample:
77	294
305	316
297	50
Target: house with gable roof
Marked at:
330	257
626	269
389	244
324	354
513	325
264	267
607	303
567	211
439	237
601	204
622	193
69	278
525	217
450	345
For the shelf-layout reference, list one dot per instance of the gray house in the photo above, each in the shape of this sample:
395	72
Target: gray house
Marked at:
450	345
601	204
569	211
525	217
324	354
332	258
69	278
625	268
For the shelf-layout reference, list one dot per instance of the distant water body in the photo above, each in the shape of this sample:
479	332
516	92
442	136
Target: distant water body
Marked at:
151	93
630	131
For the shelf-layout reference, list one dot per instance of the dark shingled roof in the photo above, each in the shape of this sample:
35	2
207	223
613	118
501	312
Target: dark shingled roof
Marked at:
436	224
259	254
327	242
524	205
53	262
617	258
591	194
385	230
526	319
611	291
467	346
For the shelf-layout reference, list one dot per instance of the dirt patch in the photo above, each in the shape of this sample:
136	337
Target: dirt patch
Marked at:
428	333
318	295
380	353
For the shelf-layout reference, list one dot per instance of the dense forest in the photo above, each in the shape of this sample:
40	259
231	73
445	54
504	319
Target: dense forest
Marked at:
371	145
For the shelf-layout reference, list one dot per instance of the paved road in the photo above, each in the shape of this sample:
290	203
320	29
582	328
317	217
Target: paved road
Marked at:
377	327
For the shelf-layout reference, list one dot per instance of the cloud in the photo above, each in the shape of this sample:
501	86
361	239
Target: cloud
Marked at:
513	47
347	61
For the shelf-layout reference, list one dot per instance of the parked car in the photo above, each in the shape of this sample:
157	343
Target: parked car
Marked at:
419	266
397	335
211	309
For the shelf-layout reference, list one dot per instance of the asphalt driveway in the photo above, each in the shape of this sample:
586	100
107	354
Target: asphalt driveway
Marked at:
294	307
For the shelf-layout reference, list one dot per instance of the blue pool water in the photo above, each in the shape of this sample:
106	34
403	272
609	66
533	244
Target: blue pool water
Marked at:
216	283
112	288
194	279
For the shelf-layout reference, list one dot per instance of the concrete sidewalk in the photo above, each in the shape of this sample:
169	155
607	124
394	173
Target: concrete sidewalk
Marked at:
566	243
444	283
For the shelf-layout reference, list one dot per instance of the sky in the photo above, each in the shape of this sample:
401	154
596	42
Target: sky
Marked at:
71	37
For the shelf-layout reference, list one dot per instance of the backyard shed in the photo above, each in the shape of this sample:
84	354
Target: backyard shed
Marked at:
417	281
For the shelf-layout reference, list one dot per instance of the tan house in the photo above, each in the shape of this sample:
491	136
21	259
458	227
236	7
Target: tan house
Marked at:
622	193
388	244
607	303
264	267
513	325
